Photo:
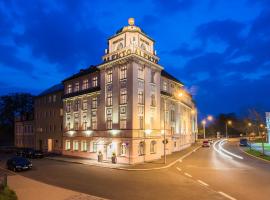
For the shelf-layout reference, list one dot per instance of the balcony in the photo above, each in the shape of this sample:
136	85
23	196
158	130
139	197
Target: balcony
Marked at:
81	92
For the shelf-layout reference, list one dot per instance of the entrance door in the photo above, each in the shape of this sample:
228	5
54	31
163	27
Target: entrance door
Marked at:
40	145
109	151
50	145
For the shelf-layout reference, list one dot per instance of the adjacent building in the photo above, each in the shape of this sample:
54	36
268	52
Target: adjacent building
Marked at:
48	109
24	131
128	106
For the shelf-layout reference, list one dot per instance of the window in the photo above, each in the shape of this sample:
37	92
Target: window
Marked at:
123	110
120	46
85	84
109	122
123	123
123	72
50	99
165	85
172	130
152	77
68	126
76	105
75	145
141	124
94	102
172	116
140	97
94	120
76	125
123	96
109	99
77	87
141	149
68	108
85	125
67	145
69	89
84	106
140	72
153	100
143	46
95	81
153	147
123	149
54	98
109	75
84	145
94	147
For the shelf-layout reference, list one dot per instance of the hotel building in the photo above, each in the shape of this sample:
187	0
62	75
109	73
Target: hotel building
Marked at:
125	105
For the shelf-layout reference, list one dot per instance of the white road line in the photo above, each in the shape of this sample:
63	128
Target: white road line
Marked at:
203	183
226	195
220	152
226	151
188	175
178	169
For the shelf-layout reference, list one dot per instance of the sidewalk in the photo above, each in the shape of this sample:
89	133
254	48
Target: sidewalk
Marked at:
151	165
28	189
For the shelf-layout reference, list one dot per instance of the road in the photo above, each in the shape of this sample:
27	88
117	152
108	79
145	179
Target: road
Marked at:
205	174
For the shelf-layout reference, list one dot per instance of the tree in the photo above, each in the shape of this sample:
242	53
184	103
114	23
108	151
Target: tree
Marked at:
10	106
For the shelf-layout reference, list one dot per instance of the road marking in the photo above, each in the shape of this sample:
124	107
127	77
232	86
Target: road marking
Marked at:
226	151
226	195
178	169
203	183
220	152
188	175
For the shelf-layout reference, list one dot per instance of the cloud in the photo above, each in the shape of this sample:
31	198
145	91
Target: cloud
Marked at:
173	6
186	51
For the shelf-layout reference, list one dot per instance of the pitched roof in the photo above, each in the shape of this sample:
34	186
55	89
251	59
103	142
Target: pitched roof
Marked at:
82	72
52	89
169	76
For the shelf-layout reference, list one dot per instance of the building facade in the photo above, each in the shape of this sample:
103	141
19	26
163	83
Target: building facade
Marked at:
24	131
48	109
125	105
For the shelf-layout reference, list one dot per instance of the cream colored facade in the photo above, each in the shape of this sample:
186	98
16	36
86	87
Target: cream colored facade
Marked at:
119	106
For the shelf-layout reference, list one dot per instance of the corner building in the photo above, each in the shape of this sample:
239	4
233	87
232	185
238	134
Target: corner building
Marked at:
119	106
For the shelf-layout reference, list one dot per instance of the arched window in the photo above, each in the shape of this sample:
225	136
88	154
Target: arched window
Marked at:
143	46
153	146
153	100
120	46
141	149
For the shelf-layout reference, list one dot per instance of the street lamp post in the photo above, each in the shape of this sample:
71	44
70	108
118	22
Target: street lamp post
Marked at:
249	124
203	123
164	133
227	123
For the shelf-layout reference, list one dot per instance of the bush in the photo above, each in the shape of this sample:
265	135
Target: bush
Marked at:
7	194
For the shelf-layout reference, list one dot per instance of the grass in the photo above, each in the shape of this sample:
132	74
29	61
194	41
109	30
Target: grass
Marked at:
258	154
266	145
8	194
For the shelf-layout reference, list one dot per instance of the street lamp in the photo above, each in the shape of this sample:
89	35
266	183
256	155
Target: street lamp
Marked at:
228	123
210	118
203	123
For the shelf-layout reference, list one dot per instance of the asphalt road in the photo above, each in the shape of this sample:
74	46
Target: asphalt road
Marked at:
203	175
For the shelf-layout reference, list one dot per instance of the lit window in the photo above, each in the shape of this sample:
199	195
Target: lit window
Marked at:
165	86
77	87
109	122
172	115
141	124
94	147
85	125
85	84
153	147
68	108
69	89
123	72
76	105
84	106
94	120
140	72
141	149
95	81
123	149
84	145
123	96
109	99
109	75
140	97
75	145
76	125
67	145
123	123
94	102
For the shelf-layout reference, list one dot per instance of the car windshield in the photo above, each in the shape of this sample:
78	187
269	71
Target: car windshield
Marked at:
20	161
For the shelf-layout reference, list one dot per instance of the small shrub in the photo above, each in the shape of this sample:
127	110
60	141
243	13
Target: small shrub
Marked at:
7	194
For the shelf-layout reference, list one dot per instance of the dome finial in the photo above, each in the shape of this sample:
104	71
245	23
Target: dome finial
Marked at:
131	21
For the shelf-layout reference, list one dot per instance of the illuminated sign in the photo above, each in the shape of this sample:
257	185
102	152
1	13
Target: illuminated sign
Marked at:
127	52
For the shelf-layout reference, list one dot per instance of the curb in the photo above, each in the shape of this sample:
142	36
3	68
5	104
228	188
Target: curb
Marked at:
127	169
254	156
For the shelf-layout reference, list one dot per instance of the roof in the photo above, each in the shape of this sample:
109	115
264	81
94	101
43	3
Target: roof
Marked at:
169	76
82	72
52	89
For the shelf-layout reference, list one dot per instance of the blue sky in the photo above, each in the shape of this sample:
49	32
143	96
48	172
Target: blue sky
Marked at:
220	49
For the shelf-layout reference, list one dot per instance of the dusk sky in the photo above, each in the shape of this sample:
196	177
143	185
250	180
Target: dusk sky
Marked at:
220	49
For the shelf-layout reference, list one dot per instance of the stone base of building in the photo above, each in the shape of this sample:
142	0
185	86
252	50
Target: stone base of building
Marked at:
126	150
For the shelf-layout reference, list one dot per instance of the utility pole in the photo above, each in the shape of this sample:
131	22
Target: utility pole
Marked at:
164	132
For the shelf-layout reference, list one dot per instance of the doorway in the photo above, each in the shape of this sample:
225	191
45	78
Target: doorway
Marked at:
50	145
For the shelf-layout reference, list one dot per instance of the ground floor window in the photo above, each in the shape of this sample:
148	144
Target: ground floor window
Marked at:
141	149
67	146
75	145
84	145
153	146
94	147
123	149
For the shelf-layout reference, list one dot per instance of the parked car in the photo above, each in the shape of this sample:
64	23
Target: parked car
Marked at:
19	164
243	142
206	143
31	153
